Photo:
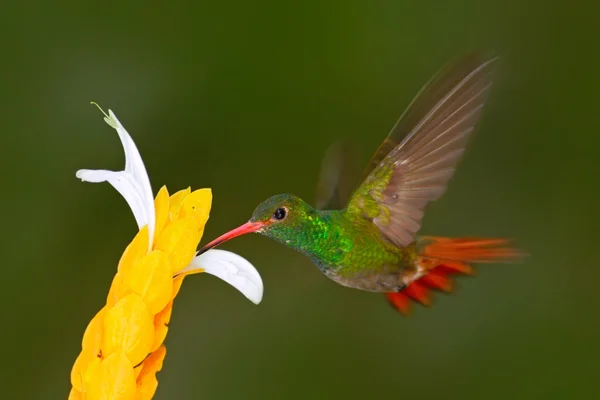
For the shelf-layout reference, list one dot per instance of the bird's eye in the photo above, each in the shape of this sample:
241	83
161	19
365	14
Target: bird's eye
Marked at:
280	213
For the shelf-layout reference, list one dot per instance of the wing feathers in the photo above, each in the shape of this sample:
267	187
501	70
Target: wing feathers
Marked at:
417	170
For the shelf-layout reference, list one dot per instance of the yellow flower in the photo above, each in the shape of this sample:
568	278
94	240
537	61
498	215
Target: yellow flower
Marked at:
122	347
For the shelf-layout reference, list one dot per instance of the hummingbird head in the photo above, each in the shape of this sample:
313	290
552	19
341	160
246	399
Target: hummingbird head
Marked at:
280	217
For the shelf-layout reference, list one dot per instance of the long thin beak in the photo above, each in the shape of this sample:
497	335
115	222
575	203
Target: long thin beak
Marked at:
248	227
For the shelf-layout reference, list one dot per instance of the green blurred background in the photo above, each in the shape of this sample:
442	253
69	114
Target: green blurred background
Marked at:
244	97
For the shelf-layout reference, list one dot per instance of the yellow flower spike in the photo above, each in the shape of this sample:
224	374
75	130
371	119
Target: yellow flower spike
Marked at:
161	204
161	325
179	240
137	370
117	290
175	202
92	337
114	379
177	282
137	249
152	278
75	395
146	382
197	205
146	387
129	327
84	369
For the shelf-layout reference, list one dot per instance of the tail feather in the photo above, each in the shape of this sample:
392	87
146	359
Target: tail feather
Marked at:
438	279
455	267
399	301
469	250
442	257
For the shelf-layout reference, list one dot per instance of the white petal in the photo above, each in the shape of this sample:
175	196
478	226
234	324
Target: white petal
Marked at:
132	183
124	183
135	165
233	269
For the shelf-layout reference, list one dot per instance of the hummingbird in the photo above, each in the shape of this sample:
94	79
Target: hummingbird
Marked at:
371	242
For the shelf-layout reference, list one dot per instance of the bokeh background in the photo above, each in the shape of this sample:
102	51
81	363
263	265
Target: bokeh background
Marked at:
244	97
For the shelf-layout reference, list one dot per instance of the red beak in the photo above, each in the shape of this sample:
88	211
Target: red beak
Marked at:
248	227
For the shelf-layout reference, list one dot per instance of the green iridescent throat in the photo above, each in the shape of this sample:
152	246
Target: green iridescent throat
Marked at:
316	234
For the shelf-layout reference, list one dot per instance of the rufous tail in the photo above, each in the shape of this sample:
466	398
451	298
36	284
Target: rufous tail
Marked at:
442	257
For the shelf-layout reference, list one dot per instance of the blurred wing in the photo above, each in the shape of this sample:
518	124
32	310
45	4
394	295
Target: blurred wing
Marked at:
406	174
338	176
